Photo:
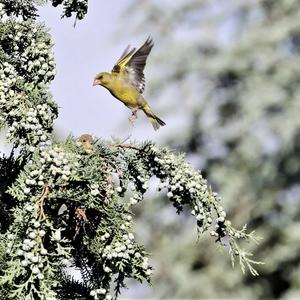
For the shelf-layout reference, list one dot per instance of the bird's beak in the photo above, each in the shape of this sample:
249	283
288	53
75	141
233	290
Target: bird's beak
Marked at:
96	82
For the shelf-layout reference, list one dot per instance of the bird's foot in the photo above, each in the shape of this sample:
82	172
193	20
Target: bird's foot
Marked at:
133	117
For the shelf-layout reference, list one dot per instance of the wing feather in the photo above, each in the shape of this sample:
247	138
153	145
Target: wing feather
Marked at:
132	64
127	53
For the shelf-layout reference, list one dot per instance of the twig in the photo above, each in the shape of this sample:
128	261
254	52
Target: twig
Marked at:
130	146
41	201
81	218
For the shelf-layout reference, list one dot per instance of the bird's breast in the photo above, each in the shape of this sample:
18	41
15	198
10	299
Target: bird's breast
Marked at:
126	94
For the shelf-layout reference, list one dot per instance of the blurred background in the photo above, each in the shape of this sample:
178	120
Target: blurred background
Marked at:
225	77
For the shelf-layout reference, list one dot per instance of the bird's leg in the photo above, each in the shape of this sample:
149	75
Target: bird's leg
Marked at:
133	116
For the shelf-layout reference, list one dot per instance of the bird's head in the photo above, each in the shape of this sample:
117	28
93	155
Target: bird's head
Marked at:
102	78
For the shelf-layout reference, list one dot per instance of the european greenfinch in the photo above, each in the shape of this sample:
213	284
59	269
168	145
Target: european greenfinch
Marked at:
126	82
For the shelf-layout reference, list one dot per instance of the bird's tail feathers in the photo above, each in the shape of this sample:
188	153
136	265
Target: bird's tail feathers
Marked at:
155	120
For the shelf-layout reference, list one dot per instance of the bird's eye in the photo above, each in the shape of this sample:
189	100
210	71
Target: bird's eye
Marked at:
100	77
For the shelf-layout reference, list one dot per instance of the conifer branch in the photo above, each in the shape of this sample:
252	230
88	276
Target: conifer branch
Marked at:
89	186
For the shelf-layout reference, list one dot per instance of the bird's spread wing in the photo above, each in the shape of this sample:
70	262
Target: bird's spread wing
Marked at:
122	61
132	64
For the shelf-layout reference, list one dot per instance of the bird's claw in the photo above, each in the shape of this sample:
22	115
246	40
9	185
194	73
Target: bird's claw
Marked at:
133	117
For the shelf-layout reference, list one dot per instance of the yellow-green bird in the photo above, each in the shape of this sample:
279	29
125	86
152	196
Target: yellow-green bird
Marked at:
126	82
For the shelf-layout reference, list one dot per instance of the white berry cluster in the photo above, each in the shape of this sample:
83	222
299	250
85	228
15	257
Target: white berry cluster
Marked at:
186	186
31	48
221	223
33	179
95	189
30	255
58	162
32	252
100	294
123	249
30	126
236	234
139	177
135	198
27	64
117	249
24	8
2	10
40	65
52	166
137	195
8	77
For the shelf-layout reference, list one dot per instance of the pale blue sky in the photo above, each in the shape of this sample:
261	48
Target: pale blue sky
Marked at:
81	52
